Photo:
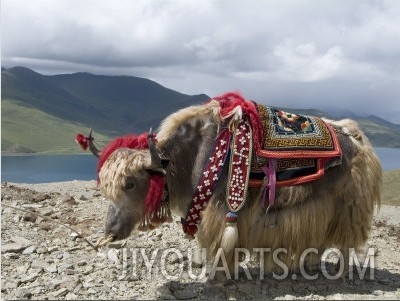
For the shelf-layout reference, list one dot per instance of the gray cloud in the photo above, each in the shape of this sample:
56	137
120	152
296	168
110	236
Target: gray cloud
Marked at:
304	53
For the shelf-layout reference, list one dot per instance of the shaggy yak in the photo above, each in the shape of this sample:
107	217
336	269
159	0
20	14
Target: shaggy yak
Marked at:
244	175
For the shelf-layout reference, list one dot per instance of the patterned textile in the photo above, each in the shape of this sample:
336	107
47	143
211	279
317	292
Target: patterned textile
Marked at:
304	147
288	135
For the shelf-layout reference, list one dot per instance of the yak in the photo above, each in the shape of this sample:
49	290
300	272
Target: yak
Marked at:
329	205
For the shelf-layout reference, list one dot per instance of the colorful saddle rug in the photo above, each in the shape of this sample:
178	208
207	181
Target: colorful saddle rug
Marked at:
303	146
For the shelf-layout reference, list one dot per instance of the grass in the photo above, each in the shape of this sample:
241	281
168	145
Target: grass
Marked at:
391	188
31	130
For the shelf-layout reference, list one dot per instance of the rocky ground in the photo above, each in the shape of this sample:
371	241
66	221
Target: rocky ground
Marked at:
41	259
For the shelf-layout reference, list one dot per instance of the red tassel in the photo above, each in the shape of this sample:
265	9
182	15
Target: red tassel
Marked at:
82	141
154	212
154	195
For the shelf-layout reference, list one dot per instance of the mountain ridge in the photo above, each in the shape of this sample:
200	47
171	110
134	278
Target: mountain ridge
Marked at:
109	103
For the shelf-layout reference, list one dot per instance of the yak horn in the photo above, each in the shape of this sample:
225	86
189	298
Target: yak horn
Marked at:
92	147
155	157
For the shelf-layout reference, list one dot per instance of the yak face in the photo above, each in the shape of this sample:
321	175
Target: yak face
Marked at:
124	180
119	223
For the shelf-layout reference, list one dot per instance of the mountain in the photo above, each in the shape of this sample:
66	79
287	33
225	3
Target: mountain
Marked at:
58	105
43	113
380	132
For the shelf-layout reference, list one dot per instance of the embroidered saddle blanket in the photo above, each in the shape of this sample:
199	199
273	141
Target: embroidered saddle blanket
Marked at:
303	146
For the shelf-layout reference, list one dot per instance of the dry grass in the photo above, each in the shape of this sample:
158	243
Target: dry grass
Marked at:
391	187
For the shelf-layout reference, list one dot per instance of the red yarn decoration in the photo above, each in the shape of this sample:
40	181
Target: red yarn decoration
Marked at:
128	141
82	141
230	100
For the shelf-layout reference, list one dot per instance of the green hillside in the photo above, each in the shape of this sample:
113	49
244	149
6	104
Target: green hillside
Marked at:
31	130
111	105
381	132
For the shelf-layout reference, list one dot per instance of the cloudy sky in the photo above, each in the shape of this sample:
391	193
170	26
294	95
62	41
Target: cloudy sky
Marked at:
299	53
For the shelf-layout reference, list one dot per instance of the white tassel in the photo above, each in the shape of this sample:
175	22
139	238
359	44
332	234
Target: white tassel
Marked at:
231	233
229	238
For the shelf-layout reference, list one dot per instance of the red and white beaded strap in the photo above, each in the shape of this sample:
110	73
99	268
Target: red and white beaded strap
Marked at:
208	181
239	167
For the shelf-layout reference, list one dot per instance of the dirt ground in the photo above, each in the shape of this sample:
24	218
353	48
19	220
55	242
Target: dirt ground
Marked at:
41	259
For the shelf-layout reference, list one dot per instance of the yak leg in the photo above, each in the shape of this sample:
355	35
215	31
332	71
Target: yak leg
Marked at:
312	262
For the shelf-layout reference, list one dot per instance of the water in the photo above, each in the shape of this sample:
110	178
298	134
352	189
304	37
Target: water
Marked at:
390	157
56	168
47	168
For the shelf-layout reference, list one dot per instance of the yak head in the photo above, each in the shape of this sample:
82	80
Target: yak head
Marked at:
131	175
